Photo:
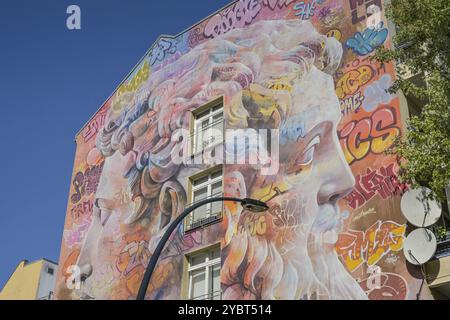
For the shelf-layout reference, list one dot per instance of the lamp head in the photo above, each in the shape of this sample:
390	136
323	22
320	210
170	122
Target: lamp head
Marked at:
254	205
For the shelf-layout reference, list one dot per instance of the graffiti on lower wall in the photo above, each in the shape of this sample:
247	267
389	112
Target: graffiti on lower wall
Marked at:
333	229
357	247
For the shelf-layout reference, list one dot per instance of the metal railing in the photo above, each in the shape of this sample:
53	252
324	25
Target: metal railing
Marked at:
214	295
191	223
443	246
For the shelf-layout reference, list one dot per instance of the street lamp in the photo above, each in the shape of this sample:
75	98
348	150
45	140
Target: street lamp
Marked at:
248	204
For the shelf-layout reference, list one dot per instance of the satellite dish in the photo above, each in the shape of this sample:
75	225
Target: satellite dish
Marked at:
420	246
418	210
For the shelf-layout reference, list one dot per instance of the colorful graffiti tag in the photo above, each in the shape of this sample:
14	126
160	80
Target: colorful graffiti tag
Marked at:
303	68
383	182
357	247
370	134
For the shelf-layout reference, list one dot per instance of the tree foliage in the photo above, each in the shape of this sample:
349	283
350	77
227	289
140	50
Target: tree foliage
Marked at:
422	46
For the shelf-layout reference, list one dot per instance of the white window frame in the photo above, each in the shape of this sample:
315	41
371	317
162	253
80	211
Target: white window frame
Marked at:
208	184
206	114
207	265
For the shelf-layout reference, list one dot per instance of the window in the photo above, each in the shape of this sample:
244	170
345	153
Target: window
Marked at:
206	186
204	275
50	271
208	128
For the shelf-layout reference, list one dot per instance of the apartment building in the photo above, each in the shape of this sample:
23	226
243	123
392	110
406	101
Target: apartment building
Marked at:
273	100
31	281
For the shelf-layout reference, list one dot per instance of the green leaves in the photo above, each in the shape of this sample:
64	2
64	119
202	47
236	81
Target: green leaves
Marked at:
422	46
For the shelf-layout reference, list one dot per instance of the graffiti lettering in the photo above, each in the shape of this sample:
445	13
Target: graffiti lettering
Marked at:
76	235
135	254
238	16
352	80
383	182
285	215
391	287
351	104
357	247
162	48
366	42
371	134
305	10
356	5
136	81
195	37
93	127
255	225
364	213
377	93
86	183
81	209
273	3
324	13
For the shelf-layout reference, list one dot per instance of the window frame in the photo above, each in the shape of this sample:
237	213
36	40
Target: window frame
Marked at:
207	266
198	115
209	173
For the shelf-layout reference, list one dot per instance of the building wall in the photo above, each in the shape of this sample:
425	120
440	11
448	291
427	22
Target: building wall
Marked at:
29	281
334	229
47	280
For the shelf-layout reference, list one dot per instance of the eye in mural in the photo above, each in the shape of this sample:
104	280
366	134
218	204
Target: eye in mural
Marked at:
331	216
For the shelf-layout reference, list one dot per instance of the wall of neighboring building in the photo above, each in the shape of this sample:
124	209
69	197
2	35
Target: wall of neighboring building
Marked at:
47	280
438	275
334	229
24	282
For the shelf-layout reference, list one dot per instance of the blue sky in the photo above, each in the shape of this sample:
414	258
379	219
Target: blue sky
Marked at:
51	81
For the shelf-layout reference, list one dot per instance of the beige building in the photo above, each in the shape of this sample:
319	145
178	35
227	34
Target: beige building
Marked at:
31	281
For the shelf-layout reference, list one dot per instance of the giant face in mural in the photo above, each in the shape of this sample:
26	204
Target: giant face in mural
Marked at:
326	234
302	226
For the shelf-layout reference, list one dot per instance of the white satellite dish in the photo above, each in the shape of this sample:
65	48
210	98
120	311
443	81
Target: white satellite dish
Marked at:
420	246
418	210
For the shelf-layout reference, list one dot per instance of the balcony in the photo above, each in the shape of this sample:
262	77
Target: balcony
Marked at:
215	295
443	247
438	269
193	223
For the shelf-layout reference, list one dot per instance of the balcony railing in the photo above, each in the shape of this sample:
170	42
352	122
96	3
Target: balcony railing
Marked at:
215	295
210	218
443	246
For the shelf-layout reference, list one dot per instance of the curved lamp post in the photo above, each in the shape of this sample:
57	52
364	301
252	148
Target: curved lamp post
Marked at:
249	204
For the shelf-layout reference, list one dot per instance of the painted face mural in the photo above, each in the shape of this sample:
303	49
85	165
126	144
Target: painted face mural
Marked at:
334	228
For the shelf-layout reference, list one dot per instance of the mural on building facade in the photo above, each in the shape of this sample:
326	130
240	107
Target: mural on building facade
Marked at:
334	228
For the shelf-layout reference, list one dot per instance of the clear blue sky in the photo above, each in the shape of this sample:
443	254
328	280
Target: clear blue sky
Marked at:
51	81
